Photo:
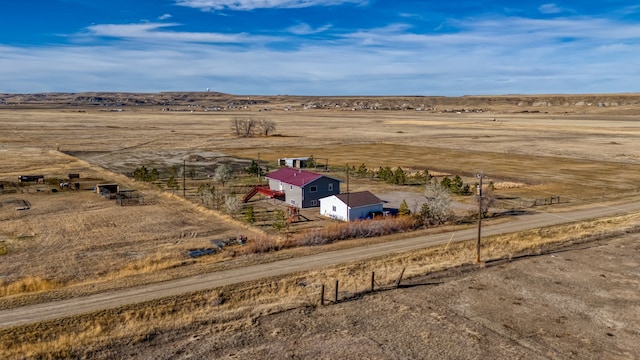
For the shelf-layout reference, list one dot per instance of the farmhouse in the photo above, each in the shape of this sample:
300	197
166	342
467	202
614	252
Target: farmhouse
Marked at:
351	206
302	189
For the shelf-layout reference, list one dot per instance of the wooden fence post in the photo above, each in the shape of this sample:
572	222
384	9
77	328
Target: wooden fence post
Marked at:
322	295
336	297
399	278
373	280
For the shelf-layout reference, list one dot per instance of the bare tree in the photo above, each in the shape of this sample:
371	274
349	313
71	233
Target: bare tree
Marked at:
223	174
236	127
206	193
266	126
232	204
488	199
243	127
438	203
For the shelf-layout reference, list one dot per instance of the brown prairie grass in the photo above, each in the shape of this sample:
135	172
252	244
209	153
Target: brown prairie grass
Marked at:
237	306
28	284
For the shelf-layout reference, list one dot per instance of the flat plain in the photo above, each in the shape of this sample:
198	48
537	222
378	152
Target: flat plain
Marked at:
72	243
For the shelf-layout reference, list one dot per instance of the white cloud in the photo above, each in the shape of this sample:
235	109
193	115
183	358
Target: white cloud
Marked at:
154	32
165	17
244	5
549	9
305	29
563	55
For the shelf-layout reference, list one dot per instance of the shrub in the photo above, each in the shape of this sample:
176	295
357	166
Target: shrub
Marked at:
357	229
279	220
144	174
404	208
249	214
261	245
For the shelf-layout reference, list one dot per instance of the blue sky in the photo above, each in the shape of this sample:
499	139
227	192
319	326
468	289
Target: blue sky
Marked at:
320	47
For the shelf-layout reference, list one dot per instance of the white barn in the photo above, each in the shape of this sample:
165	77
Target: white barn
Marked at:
351	206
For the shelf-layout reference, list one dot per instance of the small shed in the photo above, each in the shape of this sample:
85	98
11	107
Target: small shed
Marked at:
298	163
351	206
108	190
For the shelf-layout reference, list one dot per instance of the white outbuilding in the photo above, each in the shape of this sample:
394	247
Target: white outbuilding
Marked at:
351	206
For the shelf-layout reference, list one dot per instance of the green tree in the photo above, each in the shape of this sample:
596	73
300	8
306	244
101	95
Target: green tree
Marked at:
253	168
425	212
311	162
385	174
403	210
172	183
153	174
399	176
456	185
249	214
279	220
362	171
446	183
144	174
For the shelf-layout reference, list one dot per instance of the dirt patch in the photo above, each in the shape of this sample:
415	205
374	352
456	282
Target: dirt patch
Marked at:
580	303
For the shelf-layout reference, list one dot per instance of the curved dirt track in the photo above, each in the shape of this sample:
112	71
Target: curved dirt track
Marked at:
112	299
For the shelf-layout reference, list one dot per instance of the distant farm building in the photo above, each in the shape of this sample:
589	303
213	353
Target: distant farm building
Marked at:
351	206
31	178
108	190
300	188
297	163
304	162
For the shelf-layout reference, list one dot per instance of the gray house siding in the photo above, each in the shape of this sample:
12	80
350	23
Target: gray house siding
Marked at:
319	189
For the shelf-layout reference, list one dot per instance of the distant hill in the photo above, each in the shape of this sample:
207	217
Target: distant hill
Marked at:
215	101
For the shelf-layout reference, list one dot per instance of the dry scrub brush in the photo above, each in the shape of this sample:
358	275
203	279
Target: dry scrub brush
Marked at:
356	229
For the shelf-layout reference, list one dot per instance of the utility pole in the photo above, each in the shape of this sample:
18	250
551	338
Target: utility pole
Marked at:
348	204
259	170
480	176
184	178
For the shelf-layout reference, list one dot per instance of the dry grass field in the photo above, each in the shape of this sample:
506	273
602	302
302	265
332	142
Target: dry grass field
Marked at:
74	242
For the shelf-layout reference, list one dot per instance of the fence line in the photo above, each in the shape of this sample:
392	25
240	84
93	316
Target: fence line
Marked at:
372	288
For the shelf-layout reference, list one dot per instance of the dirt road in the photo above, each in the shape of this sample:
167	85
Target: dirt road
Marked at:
75	306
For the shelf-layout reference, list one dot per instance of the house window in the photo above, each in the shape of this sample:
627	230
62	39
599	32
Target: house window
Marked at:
293	202
314	202
313	188
331	187
334	208
290	187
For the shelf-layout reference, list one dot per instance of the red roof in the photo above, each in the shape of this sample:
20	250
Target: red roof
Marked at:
294	176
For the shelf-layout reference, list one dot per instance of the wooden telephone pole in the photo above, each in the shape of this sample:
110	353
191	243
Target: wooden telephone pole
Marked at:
480	176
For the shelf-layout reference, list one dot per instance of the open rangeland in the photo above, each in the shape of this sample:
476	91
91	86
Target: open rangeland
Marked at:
67	243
